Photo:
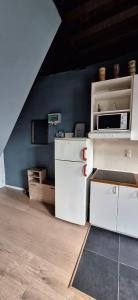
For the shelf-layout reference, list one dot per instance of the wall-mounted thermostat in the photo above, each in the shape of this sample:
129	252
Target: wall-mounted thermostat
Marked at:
54	119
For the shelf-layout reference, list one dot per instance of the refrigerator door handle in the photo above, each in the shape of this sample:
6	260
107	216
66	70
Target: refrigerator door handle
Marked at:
85	170
84	153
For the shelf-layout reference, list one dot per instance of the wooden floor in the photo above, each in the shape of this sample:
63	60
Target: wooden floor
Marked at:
38	252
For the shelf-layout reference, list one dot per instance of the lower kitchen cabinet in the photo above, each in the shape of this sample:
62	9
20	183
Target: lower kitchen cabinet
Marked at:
114	208
127	221
103	205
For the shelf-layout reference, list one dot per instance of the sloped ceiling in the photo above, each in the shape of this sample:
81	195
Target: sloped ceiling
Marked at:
27	29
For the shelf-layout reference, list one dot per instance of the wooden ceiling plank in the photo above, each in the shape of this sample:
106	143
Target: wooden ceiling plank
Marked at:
87	20
110	50
86	7
128	26
103	25
120	38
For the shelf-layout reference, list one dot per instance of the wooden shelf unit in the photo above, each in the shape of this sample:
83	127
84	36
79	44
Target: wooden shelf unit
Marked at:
39	188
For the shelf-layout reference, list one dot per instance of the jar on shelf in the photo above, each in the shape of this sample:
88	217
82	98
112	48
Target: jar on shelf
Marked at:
132	67
116	70
102	73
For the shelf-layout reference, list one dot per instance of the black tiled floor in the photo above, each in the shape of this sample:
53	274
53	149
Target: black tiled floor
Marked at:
103	242
97	276
128	283
129	251
108	267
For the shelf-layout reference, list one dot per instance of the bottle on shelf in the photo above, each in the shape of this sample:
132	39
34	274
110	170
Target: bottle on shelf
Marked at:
116	70
132	67
102	73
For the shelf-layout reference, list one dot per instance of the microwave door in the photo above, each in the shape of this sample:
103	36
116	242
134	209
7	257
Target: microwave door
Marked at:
109	122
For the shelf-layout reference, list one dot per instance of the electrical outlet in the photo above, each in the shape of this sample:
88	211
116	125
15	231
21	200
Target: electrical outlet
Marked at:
128	153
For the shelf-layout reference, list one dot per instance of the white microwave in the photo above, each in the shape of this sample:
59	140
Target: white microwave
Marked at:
113	121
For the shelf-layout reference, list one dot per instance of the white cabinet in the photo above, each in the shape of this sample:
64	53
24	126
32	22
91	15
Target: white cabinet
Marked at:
115	96
127	222
103	205
114	207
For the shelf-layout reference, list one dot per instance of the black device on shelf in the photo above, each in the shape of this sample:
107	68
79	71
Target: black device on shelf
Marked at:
39	132
80	129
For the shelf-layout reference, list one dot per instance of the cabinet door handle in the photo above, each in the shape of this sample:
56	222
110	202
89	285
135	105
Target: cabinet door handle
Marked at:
85	170
114	189
84	153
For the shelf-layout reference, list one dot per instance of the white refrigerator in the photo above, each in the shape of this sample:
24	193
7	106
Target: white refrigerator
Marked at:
73	166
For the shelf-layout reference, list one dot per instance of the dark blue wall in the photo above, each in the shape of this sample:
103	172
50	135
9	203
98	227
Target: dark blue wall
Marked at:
68	93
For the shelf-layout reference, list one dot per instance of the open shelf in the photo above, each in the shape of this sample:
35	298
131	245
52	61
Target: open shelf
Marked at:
111	111
37	175
112	101
111	85
112	94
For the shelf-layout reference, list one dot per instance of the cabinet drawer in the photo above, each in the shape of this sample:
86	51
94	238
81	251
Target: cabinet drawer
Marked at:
42	192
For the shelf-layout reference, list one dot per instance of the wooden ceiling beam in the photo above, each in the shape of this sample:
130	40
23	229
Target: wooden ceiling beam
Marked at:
87	7
109	50
84	18
119	40
104	25
128	26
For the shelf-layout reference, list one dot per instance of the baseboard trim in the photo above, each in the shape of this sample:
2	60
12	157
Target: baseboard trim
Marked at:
14	187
